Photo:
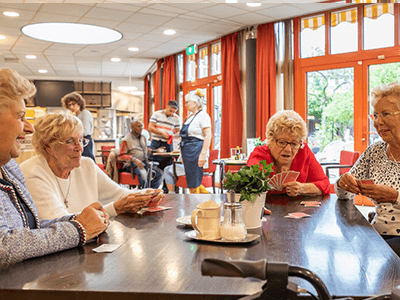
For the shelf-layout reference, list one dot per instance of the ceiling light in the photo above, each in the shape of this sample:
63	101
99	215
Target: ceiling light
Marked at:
2	37
42	71
133	49
230	1
115	59
169	32
71	33
10	13
253	4
30	56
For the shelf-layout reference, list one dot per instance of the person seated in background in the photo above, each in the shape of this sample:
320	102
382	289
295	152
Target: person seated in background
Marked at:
23	234
76	104
286	131
61	181
134	148
380	162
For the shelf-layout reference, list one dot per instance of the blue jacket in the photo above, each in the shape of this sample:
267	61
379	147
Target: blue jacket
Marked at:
17	242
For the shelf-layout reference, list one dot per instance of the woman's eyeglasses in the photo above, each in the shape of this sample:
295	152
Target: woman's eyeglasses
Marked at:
71	104
283	144
383	115
72	142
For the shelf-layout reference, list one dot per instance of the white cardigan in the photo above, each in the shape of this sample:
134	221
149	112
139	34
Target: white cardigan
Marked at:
87	184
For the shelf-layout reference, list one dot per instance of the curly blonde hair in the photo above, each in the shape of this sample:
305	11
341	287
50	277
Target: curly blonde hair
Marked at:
14	87
51	129
197	97
287	121
390	89
73	97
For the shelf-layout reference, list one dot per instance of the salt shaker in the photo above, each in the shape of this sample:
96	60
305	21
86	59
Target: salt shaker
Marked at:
233	228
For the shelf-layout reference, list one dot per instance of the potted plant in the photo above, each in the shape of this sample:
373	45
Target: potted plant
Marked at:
250	185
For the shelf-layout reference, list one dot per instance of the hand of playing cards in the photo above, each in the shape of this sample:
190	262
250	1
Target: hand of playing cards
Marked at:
278	180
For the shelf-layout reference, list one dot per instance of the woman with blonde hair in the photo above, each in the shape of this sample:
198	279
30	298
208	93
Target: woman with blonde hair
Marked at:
286	132
23	234
196	140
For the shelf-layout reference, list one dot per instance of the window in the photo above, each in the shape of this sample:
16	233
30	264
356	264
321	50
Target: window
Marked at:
312	36
180	67
216	59
203	62
378	26
191	67
344	31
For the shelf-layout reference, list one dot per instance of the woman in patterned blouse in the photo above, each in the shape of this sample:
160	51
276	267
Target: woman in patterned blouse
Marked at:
381	163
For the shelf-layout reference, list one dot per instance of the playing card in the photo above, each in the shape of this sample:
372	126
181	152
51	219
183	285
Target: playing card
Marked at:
310	203
153	209
283	176
297	215
367	181
291	176
107	248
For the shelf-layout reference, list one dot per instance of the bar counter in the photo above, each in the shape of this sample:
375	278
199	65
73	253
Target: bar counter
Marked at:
157	261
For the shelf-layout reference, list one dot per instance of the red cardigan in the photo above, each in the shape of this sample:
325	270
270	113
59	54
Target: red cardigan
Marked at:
304	162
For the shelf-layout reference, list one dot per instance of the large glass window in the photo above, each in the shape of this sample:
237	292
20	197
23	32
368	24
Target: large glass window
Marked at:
344	31
180	67
203	62
216	59
378	26
217	105
312	36
191	68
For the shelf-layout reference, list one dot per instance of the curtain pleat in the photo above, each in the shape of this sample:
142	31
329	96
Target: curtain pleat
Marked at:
146	102
168	80
266	77
232	113
157	86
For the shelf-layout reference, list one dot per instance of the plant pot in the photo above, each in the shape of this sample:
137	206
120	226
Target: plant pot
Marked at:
252	212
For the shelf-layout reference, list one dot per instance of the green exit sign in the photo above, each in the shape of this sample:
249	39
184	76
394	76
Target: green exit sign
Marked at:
191	49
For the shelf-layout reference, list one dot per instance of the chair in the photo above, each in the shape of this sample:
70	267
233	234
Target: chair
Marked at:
346	161
208	174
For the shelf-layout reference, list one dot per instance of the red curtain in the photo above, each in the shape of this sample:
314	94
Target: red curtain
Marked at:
168	80
232	112
146	102
157	86
266	77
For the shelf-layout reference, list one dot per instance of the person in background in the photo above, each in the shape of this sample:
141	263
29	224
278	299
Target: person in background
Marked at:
285	133
163	124
61	181
76	104
134	148
380	162
196	140
23	234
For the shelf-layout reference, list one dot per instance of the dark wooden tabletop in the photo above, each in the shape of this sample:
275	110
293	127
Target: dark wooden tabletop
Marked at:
157	261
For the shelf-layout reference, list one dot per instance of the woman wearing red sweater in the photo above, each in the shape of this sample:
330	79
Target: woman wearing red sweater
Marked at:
286	131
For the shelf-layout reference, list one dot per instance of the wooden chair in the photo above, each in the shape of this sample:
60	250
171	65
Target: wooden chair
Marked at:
208	174
347	160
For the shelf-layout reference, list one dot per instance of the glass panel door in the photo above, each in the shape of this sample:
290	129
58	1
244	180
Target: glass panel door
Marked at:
216	116
330	111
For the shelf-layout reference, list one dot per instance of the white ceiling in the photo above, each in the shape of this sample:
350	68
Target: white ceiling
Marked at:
141	24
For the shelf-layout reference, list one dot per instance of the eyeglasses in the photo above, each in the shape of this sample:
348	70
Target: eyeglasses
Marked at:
71	142
71	104
384	115
283	144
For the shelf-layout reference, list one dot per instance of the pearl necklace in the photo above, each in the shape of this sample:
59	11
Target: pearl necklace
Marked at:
392	154
69	184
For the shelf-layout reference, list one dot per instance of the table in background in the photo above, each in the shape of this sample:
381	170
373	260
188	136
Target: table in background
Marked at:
174	155
222	162
157	261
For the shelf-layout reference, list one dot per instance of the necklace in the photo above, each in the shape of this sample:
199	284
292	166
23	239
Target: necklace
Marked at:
392	154
65	197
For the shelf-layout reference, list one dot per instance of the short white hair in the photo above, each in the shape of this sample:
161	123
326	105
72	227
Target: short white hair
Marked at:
197	97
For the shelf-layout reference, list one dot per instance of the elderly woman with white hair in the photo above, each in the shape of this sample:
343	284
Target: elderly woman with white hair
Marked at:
196	140
286	131
61	181
380	163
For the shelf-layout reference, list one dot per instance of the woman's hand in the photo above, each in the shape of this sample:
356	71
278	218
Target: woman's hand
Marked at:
348	182
379	192
94	219
293	188
201	162
158	199
131	203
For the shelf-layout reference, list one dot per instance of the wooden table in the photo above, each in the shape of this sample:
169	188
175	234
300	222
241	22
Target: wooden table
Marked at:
157	261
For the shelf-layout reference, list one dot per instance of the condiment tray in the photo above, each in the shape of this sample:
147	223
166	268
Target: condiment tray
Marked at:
249	238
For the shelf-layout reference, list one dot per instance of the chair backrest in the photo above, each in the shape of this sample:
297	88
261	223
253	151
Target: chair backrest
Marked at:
213	156
105	152
348	158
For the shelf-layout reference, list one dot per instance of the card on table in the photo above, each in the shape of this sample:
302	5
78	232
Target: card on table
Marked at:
311	203
107	248
155	208
297	215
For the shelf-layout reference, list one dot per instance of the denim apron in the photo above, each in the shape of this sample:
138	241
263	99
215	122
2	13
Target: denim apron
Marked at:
190	152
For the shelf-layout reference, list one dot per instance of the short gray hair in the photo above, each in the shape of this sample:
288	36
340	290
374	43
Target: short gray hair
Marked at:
195	96
390	89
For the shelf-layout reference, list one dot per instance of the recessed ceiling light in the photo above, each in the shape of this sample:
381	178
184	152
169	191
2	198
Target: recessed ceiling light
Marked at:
42	71
169	32
71	33
10	13
30	56
115	59
127	88
230	1
253	4
133	49
2	37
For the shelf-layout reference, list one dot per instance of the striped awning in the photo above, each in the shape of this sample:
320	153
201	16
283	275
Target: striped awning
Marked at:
191	57
370	11
203	52
216	48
